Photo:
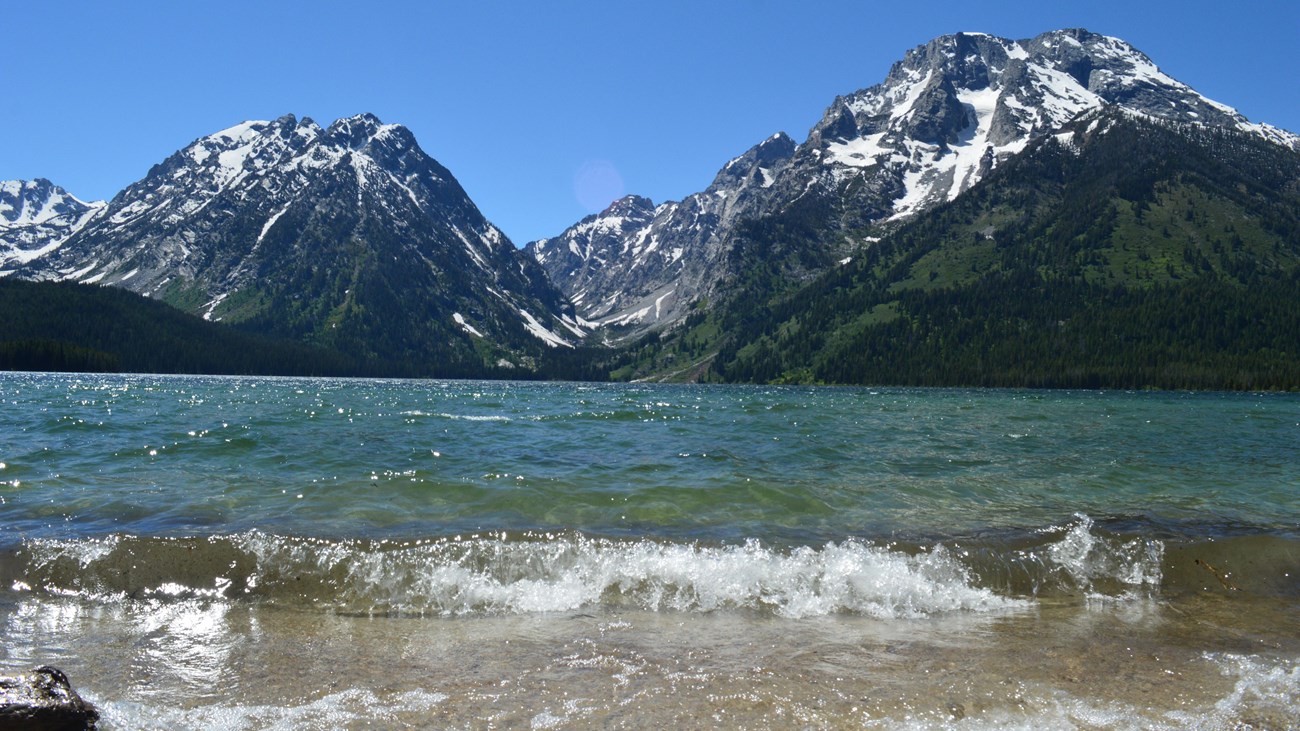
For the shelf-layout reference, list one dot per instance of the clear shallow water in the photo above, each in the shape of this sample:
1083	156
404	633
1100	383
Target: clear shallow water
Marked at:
263	553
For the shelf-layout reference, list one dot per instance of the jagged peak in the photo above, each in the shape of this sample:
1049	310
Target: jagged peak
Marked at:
36	201
240	132
951	55
14	187
251	132
780	138
776	148
248	130
358	120
952	47
1086	38
364	130
21	189
355	130
770	152
1070	69
629	204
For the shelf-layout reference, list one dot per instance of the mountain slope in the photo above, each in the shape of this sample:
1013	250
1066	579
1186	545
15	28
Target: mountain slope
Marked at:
63	326
946	115
648	265
350	237
1122	252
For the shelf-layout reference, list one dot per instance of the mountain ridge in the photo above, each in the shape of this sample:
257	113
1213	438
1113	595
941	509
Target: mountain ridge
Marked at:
946	114
351	238
339	236
1122	252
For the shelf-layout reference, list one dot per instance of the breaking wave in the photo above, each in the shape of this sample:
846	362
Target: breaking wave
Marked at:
545	572
499	575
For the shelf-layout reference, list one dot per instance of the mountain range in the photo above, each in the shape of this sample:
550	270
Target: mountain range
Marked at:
348	237
945	116
351	238
1120	252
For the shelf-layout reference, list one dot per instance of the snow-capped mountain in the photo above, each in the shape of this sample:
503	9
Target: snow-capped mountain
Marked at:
636	263
954	108
333	234
36	217
945	115
593	241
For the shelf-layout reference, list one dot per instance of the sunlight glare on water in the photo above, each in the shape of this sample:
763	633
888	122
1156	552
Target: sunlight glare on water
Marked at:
248	553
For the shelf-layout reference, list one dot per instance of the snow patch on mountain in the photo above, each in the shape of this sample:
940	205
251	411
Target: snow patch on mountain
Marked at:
269	223
460	320
541	333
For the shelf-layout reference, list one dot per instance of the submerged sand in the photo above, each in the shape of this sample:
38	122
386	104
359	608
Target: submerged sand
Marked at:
1205	661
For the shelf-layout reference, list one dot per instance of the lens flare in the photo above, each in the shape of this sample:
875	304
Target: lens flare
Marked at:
596	184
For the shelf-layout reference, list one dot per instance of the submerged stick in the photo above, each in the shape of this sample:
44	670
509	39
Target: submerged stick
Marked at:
1217	574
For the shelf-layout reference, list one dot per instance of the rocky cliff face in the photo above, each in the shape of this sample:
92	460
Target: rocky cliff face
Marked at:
946	115
36	217
348	235
635	265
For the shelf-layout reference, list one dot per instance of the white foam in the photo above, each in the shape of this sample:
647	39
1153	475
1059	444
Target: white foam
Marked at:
1263	688
344	709
492	575
84	552
469	417
1087	559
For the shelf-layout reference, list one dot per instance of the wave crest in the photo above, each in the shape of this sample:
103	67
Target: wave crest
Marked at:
499	575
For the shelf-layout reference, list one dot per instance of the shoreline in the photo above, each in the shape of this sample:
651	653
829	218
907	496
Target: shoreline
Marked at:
1111	664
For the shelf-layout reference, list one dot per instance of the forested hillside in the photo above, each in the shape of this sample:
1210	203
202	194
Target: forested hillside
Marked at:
1126	253
76	327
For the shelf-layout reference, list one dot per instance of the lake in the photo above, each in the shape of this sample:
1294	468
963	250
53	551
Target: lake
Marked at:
259	553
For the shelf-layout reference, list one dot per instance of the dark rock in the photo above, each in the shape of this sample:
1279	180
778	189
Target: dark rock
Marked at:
43	700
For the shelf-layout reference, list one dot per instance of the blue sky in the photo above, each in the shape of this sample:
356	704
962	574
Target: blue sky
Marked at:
532	104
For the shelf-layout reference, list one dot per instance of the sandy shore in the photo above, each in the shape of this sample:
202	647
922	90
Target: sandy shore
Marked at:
1208	661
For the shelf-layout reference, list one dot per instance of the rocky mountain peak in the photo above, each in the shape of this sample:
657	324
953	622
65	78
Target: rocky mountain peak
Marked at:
629	205
356	131
27	202
36	217
582	251
757	165
955	107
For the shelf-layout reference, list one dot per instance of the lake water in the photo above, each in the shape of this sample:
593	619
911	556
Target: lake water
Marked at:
249	553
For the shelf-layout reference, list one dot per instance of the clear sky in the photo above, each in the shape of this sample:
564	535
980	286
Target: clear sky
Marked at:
533	105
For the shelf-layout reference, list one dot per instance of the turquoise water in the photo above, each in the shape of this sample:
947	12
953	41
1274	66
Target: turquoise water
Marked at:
182	456
209	528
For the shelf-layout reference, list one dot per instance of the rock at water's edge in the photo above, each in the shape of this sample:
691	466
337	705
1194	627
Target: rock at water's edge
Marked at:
43	700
